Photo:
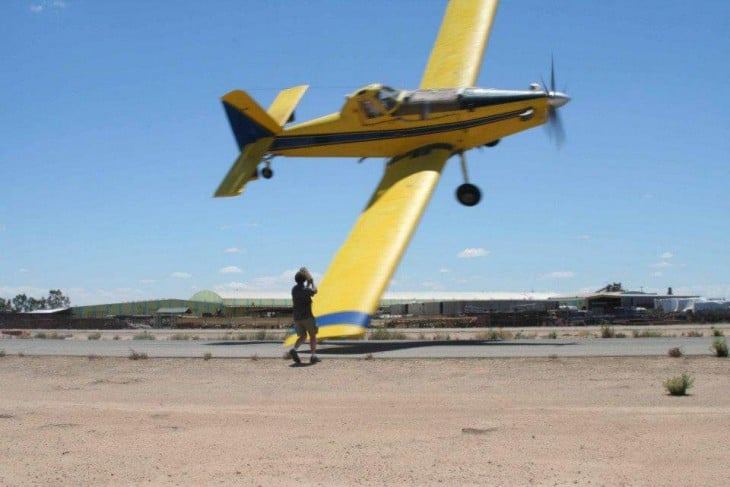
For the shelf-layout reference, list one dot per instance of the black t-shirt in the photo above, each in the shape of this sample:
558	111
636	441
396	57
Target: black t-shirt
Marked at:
302	298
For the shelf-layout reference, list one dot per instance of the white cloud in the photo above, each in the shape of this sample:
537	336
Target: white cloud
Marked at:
471	253
147	281
559	275
666	255
40	6
231	269
658	274
444	270
181	275
232	250
661	265
23	270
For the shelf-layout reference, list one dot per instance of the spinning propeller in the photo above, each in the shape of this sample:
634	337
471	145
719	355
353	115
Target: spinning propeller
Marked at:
556	99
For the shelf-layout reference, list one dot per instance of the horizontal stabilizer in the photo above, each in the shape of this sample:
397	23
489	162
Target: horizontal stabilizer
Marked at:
244	169
282	109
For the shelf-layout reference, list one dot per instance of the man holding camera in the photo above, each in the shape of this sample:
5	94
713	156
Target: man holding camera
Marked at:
304	321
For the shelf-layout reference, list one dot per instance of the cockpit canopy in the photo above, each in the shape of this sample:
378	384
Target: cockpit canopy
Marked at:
378	100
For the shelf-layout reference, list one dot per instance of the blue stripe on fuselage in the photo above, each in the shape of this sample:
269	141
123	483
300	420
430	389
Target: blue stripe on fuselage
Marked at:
345	318
285	142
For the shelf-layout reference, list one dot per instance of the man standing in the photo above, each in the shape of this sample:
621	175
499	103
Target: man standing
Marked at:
304	322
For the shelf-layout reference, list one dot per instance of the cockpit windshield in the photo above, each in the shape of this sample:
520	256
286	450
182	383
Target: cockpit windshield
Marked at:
388	97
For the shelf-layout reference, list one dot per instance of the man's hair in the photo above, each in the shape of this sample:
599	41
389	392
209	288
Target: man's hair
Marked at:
300	277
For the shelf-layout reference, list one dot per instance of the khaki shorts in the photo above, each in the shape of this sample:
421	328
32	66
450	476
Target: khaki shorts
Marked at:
306	326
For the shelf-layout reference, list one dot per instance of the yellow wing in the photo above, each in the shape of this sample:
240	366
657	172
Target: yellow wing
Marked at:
457	54
350	291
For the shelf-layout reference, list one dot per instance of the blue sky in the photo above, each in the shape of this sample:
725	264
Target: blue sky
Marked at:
113	141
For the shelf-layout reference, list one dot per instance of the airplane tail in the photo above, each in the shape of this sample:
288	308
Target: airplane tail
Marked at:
248	120
254	129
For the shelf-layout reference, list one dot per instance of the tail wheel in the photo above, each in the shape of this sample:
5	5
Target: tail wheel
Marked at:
468	194
267	173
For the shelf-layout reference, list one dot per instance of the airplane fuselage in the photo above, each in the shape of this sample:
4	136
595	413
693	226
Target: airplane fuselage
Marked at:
378	121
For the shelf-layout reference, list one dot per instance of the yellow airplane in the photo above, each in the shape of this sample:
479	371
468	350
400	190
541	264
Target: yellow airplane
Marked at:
418	130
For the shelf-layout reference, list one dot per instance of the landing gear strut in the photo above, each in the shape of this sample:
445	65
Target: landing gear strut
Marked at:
467	194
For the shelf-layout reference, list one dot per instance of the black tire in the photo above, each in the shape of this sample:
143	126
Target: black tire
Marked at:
267	173
468	194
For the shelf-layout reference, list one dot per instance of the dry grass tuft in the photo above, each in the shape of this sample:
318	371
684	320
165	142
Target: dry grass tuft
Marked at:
137	356
675	352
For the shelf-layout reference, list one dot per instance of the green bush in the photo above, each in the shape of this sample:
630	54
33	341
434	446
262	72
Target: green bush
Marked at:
52	336
717	333
719	346
207	356
94	336
678	385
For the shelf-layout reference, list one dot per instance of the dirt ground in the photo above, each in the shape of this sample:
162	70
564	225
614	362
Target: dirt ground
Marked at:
560	421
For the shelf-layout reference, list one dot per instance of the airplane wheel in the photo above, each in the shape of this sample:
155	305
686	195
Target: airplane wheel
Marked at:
492	143
468	194
267	173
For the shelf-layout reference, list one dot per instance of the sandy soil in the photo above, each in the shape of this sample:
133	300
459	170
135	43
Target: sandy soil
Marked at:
580	421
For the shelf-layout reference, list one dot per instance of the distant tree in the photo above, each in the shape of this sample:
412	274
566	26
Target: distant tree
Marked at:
34	304
20	303
56	299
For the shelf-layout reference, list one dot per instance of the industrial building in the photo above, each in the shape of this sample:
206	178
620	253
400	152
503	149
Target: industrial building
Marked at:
607	302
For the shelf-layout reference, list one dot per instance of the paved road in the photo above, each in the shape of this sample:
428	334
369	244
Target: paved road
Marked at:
588	347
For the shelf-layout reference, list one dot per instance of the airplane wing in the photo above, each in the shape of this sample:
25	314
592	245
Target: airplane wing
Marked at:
351	289
457	54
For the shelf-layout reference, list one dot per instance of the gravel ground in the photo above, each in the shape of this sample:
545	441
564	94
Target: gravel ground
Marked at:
523	421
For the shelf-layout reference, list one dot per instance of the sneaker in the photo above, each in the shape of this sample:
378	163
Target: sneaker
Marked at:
295	356
314	359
